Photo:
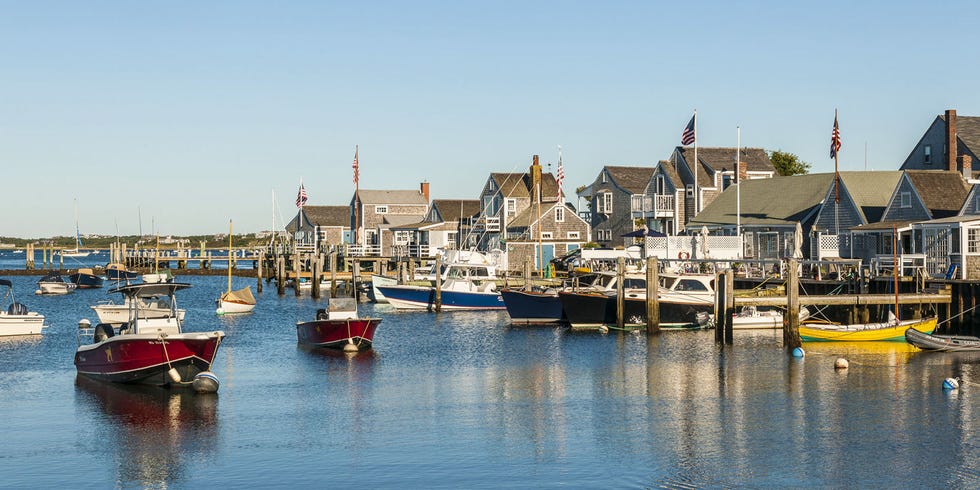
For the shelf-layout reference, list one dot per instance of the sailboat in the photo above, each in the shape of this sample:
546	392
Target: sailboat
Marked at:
238	301
77	251
894	329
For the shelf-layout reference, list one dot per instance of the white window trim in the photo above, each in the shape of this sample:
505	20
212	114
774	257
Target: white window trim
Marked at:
547	235
905	200
559	214
381	209
511	205
573	235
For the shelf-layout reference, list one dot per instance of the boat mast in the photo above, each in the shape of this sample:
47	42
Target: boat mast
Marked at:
229	255
895	269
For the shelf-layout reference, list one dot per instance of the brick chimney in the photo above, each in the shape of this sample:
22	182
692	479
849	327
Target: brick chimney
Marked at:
536	179
424	190
965	166
951	149
743	170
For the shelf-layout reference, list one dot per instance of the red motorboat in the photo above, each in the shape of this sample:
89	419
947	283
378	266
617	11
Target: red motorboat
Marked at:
338	326
147	350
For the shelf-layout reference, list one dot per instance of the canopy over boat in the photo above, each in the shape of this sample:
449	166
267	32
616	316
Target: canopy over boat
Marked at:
150	290
243	295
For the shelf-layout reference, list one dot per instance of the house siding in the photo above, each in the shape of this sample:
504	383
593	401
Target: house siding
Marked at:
895	211
829	221
935	137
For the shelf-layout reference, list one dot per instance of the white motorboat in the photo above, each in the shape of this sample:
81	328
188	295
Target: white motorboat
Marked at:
16	319
53	283
149	307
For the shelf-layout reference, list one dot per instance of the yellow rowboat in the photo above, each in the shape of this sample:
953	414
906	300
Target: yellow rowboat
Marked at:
864	332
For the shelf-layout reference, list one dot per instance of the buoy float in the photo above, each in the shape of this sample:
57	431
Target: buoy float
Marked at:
350	347
950	384
219	311
798	352
84	323
205	382
841	363
174	375
38	291
603	329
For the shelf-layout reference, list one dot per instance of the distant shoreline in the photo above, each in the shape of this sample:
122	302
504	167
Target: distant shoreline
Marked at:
175	272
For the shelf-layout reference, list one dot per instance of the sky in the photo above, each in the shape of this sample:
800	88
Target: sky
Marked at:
176	117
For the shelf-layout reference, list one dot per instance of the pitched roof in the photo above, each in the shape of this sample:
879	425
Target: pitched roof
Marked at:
755	159
942	191
774	202
633	179
328	215
391	197
452	209
967	130
871	191
519	184
670	170
401	219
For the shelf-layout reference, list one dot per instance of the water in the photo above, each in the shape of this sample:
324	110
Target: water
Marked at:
462	400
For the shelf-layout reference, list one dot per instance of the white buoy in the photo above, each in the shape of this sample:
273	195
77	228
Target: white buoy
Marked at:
951	384
798	352
84	323
840	363
205	382
174	375
38	291
219	311
350	347
603	329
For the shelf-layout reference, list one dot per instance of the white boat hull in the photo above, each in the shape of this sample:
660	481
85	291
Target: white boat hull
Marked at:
29	324
232	307
56	287
119	314
376	281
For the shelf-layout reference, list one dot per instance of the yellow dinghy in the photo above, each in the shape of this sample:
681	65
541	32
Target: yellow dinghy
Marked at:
864	332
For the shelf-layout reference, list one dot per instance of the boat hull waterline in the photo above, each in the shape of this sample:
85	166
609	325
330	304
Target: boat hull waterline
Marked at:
423	298
532	306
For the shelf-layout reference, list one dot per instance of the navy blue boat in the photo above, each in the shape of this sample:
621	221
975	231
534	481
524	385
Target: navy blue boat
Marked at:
85	279
119	272
532	306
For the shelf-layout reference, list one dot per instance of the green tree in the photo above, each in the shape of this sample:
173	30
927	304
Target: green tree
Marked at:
787	163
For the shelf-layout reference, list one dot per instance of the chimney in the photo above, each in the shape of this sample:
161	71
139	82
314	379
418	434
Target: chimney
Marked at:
965	166
951	149
536	179
424	190
743	170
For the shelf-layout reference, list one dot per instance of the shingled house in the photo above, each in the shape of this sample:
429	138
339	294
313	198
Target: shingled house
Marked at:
374	212
320	227
439	229
947	131
617	199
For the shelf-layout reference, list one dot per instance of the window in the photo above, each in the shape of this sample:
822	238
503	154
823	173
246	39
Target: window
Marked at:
607	203
690	190
661	185
603	176
973	240
402	237
573	235
559	214
511	207
489	206
546	235
927	154
451	239
381	210
906	200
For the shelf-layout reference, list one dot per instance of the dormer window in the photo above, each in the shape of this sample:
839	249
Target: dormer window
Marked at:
927	154
603	177
906	200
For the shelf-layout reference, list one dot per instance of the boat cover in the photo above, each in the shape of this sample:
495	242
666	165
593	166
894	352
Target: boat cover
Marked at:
240	296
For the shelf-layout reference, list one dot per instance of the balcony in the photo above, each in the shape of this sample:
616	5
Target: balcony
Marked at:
656	206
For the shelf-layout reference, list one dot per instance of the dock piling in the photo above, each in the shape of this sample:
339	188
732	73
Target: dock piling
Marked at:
620	300
791	321
438	302
653	302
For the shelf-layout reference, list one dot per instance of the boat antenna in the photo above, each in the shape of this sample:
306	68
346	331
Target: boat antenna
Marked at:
229	255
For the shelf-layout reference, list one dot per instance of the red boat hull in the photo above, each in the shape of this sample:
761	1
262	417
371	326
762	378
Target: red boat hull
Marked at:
142	359
337	333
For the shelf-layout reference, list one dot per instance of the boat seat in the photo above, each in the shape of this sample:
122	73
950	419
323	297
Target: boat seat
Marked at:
103	331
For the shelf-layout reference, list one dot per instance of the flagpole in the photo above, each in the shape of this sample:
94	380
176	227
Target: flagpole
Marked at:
357	220
695	168
836	179
738	181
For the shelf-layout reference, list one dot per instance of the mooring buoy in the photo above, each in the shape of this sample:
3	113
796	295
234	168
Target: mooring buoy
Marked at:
951	384
205	382
798	352
841	363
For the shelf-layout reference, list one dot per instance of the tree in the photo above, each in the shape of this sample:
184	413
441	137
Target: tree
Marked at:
787	163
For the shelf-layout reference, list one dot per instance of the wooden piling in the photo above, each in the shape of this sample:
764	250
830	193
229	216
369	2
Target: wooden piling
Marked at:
791	320
317	270
296	271
653	301
354	277
258	274
527	273
333	274
719	308
438	302
281	275
729	321
620	300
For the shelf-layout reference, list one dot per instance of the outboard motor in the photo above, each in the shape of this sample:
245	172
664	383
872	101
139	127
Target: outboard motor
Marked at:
102	332
17	309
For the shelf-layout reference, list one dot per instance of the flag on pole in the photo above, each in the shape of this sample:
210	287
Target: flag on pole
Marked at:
301	196
355	166
560	177
688	136
835	139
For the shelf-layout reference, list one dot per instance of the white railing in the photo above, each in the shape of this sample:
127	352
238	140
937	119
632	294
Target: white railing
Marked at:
411	251
665	205
492	224
660	205
829	246
695	247
363	251
885	263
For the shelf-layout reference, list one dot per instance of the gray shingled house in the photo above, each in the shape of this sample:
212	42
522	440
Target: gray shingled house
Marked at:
440	228
947	130
376	211
329	224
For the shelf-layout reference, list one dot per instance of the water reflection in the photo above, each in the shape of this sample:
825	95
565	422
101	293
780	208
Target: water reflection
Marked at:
150	433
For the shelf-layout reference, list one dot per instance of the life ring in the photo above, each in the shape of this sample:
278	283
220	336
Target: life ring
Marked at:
683	256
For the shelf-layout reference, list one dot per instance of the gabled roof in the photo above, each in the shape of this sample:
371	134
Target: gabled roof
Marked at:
518	185
327	215
779	201
453	209
391	197
633	179
943	192
525	218
967	130
401	219
670	171
871	191
717	159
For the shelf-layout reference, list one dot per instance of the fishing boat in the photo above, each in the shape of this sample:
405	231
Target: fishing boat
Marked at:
146	350
85	279
338	326
460	291
16	319
942	343
53	283
118	272
77	251
239	300
378	280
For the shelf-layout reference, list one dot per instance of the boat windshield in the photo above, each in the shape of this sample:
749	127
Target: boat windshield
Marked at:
690	285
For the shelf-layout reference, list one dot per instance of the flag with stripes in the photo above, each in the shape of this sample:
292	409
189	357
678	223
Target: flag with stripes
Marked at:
356	167
301	196
560	177
688	136
835	139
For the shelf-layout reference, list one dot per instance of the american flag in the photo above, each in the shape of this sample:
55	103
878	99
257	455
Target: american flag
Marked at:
301	196
355	166
560	176
687	137
835	139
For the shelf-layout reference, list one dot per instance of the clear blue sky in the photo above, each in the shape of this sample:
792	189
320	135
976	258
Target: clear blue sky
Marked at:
191	113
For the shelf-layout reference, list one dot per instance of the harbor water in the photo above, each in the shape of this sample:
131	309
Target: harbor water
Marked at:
464	400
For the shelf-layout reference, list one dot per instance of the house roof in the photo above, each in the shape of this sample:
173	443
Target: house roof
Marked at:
519	184
633	179
871	190
755	159
883	225
391	197
967	130
778	201
402	219
670	170
942	191
328	215
453	209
